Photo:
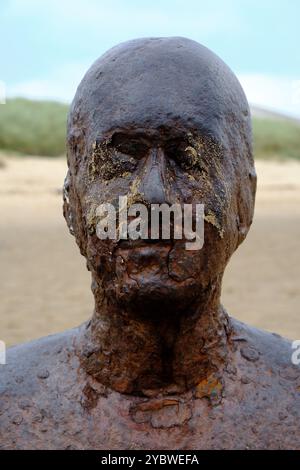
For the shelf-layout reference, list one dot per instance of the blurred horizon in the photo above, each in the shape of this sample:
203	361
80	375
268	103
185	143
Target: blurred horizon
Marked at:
35	127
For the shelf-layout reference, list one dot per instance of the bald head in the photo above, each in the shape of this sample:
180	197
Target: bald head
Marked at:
152	82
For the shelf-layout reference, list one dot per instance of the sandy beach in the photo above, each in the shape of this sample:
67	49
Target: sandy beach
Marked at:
45	287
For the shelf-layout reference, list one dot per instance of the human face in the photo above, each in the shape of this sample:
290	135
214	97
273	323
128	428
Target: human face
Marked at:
169	165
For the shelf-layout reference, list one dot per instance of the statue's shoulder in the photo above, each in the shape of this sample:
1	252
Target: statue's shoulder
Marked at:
32	364
40	390
271	350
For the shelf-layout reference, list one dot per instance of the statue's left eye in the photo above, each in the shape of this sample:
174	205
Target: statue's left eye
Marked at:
183	154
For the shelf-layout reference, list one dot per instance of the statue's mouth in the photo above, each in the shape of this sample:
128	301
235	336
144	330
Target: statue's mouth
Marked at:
141	243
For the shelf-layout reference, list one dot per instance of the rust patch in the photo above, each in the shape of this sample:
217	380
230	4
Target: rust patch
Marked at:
210	387
161	413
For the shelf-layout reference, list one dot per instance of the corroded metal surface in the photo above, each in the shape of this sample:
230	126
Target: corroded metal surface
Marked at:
160	365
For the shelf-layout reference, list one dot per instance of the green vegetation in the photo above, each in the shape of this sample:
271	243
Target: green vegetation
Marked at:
276	138
33	127
39	128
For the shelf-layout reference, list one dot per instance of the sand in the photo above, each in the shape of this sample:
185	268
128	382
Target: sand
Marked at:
45	287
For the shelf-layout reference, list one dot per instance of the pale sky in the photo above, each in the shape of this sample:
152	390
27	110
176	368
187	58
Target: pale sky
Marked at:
46	46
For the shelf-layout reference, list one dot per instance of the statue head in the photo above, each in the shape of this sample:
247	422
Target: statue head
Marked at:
159	120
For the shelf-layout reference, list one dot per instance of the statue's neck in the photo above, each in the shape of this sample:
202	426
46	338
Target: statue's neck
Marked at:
141	355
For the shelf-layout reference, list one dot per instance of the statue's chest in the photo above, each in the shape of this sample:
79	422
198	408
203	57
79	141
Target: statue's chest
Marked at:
187	423
119	422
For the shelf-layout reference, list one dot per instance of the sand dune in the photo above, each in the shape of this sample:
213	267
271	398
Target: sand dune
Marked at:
45	288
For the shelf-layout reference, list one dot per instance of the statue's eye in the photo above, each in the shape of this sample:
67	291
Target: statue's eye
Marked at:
184	155
135	146
124	161
189	158
109	161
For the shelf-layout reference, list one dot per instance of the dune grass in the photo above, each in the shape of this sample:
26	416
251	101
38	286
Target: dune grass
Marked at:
39	127
276	138
33	127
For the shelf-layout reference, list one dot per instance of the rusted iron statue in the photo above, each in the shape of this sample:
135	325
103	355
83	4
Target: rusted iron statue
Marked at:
160	365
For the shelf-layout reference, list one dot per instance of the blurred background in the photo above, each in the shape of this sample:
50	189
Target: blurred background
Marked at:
45	49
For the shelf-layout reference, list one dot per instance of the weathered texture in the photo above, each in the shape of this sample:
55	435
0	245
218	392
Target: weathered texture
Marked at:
160	365
259	408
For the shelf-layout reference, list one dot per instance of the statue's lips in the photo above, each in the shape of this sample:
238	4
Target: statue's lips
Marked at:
141	243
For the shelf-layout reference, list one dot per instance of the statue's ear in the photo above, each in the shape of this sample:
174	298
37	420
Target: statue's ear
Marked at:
74	222
66	205
245	204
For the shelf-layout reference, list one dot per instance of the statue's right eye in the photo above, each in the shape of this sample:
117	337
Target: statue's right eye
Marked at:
134	145
124	161
135	148
108	162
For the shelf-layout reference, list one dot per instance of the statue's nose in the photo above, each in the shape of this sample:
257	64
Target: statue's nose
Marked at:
153	184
